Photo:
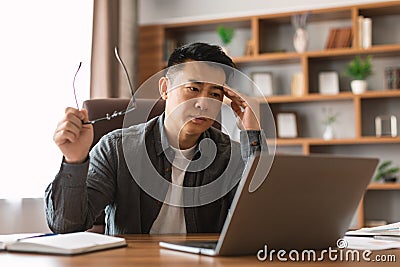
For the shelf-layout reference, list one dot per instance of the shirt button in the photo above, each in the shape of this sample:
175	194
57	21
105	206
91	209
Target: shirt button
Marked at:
254	143
167	169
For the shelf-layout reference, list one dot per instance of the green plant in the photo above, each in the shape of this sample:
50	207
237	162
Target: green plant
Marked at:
358	68
330	118
226	34
386	170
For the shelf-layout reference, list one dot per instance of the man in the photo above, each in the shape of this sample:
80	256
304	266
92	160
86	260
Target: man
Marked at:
173	174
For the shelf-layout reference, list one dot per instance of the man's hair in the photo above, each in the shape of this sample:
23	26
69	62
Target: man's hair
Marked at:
201	52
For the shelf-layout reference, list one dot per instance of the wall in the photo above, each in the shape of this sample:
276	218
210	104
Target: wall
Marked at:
169	11
22	216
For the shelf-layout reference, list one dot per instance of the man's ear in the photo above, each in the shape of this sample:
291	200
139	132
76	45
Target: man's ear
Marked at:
162	87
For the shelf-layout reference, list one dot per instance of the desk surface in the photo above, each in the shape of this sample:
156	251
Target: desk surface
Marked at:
143	250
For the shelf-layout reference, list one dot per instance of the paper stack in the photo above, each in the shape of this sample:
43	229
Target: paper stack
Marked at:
375	238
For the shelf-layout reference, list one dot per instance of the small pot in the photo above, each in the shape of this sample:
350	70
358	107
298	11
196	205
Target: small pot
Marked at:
389	179
358	86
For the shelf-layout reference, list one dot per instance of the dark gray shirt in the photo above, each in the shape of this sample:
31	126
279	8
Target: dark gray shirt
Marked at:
123	169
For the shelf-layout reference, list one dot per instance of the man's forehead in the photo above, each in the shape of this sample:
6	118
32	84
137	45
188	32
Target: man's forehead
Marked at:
199	72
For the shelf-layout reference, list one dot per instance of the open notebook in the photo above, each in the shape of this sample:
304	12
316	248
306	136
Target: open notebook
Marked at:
66	244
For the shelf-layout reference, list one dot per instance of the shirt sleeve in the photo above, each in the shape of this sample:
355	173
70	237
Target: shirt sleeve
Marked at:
64	198
80	192
252	141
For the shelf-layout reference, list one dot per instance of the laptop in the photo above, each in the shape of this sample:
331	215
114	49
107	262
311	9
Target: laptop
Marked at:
303	202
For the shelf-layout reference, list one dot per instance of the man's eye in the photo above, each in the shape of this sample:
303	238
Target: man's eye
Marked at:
216	95
193	89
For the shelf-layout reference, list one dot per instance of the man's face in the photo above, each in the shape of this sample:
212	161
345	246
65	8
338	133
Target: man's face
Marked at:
194	96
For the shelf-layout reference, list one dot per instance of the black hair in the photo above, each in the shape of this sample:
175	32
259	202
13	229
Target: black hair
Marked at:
201	52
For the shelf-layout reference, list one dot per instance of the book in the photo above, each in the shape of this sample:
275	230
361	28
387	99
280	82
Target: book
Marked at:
392	78
364	32
389	78
388	230
396	82
367	243
63	244
339	38
367	33
297	84
374	238
331	38
345	37
360	31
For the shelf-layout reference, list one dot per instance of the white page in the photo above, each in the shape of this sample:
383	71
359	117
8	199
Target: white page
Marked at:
11	238
392	229
73	240
364	243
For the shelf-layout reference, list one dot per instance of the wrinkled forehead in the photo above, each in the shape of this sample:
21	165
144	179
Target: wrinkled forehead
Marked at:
199	71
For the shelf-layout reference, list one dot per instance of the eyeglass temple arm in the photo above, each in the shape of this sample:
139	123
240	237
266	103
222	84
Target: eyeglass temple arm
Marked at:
125	71
73	84
133	103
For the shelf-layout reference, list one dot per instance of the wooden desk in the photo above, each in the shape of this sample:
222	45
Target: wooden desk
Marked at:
143	250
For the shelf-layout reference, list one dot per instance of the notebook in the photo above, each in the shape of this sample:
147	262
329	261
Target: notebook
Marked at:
65	244
304	202
384	232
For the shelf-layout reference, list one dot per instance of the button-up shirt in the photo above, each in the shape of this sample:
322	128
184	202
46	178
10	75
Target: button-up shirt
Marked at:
127	174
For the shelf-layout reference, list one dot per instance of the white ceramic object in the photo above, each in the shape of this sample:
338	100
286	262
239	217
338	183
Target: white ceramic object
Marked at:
328	133
358	86
300	40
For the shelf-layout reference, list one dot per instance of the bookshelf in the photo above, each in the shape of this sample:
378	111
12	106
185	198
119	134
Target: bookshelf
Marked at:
272	38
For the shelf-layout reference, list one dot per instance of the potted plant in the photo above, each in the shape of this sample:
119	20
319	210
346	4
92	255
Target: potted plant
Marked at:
386	172
359	70
226	35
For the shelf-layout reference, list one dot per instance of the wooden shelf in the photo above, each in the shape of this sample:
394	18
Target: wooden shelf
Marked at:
338	53
381	94
306	98
385	50
346	141
278	57
274	32
209	25
320	97
382	186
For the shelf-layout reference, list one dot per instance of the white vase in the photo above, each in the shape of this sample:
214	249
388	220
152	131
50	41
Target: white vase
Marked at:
300	40
328	133
358	86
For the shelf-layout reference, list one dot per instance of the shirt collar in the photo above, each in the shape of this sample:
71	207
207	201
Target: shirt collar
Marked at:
161	140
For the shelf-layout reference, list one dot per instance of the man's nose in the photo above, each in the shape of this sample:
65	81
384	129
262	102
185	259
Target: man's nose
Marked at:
202	103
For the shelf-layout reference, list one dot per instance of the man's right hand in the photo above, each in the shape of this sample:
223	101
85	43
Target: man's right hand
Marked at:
72	137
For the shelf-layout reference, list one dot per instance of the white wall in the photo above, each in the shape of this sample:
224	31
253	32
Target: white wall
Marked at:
22	216
169	11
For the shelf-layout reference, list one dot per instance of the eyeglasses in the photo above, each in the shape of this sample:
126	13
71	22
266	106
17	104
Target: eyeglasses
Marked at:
115	114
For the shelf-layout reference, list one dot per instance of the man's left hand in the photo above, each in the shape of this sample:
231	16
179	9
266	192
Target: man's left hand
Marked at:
245	108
